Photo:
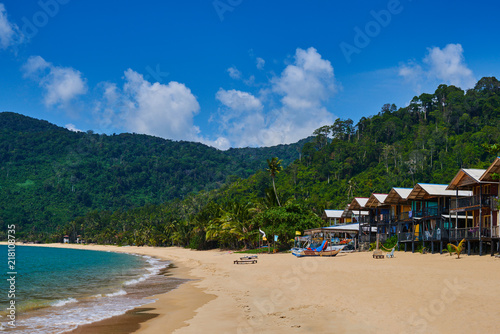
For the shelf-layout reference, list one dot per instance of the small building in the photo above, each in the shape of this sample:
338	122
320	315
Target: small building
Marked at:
66	239
428	220
333	217
481	223
381	215
361	214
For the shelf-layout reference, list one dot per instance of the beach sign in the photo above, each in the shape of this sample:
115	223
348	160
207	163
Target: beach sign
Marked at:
275	238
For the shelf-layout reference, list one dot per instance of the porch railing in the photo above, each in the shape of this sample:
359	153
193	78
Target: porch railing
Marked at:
409	236
425	212
472	202
469	233
436	235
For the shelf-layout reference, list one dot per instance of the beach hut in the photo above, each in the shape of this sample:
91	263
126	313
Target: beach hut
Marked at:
429	214
480	225
491	176
362	215
400	206
382	217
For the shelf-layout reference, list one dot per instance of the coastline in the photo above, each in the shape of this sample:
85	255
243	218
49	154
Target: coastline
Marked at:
166	314
412	293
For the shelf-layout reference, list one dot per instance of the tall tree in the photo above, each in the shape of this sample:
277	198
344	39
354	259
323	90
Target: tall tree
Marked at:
274	168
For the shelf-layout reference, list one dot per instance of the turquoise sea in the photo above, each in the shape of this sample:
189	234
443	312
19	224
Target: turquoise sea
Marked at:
58	289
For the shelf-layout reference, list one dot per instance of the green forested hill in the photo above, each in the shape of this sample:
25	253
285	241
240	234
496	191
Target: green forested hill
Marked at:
50	175
427	141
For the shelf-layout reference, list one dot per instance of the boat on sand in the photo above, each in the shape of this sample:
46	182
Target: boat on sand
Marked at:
322	250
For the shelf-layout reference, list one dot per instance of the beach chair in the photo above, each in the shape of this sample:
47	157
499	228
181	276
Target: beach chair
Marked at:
391	254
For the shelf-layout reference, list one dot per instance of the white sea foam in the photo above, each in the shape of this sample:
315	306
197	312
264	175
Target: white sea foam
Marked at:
154	269
118	293
67	314
62	302
64	319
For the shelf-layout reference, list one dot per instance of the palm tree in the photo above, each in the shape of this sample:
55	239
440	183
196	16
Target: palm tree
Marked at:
274	168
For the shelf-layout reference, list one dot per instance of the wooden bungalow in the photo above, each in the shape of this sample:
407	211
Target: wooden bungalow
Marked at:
382	217
428	219
399	203
480	226
398	200
362	215
491	176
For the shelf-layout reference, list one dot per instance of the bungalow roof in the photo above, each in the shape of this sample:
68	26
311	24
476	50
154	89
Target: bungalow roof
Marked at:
494	168
466	179
358	203
398	195
427	191
376	200
333	213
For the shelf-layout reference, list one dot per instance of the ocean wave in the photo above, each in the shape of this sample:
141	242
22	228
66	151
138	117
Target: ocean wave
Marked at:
155	266
62	302
118	293
69	317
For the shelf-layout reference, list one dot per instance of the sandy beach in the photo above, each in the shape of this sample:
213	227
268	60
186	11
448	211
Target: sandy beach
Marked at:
354	293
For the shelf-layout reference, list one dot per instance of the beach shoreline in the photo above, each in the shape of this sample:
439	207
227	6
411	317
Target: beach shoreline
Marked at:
412	293
179	304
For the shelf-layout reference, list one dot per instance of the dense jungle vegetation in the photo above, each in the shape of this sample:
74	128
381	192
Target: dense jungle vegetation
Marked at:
427	141
50	175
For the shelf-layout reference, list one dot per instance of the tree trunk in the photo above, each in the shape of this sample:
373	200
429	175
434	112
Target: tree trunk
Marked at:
275	193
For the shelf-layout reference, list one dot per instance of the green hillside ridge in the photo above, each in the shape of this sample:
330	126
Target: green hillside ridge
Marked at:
50	175
427	141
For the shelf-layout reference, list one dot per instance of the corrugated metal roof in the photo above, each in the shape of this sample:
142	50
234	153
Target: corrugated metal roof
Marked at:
358	203
334	213
426	190
376	200
466	178
398	195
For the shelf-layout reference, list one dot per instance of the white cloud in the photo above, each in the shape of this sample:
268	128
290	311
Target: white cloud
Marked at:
163	110
260	63
448	65
306	83
234	73
238	100
72	127
445	65
61	84
9	32
295	104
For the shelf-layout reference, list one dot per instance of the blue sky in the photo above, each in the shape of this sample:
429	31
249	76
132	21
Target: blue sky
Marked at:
235	73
